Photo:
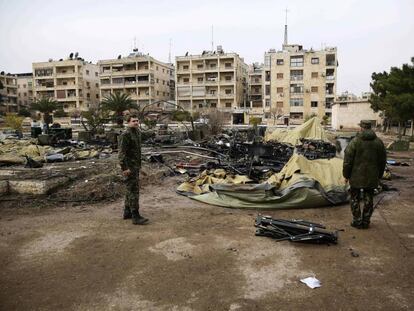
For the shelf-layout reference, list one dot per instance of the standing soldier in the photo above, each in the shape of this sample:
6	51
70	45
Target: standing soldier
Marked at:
364	165
130	160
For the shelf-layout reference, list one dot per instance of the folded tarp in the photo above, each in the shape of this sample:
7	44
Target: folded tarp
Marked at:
302	183
311	129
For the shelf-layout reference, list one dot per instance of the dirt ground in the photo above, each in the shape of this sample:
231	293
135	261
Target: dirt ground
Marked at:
193	256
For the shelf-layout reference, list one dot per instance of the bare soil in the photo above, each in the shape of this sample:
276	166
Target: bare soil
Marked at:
193	256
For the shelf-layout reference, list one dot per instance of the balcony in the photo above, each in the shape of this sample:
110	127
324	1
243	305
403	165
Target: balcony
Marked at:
226	68
330	78
227	82
224	95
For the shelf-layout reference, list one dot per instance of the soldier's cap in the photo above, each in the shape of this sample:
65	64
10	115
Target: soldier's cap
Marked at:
365	124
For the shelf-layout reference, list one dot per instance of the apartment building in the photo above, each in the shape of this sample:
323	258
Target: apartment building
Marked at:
301	82
212	81
144	78
256	103
74	83
8	93
348	110
24	90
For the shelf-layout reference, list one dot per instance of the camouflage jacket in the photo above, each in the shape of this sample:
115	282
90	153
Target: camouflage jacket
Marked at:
129	150
364	161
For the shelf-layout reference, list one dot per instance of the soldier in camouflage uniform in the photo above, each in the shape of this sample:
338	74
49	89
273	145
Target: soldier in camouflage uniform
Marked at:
364	164
129	155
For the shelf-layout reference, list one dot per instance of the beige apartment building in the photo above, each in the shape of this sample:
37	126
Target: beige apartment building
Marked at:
348	110
24	90
8	93
74	83
299	83
212	81
144	78
256	104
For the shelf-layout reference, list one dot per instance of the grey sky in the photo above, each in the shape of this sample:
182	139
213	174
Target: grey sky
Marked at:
370	35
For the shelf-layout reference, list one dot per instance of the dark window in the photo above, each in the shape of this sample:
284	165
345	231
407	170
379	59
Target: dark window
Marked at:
315	60
279	62
314	104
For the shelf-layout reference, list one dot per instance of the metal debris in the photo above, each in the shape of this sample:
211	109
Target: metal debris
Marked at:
294	230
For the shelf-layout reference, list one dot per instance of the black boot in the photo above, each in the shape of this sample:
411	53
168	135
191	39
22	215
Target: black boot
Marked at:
356	223
127	213
137	219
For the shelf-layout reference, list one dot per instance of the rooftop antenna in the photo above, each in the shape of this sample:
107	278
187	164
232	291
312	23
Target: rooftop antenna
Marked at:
285	42
169	52
135	45
212	38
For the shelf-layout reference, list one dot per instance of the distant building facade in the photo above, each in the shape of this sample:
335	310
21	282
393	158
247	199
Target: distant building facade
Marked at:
24	90
8	93
145	79
213	81
300	83
74	83
348	110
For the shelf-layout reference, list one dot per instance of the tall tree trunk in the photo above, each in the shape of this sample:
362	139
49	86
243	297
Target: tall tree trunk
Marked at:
405	128
412	127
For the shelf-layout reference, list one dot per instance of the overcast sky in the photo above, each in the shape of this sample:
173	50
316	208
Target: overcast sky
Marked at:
370	35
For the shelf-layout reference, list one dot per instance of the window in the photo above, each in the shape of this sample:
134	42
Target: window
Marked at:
157	80
314	104
212	92
162	69
296	115
88	84
228	105
97	96
163	82
314	74
267	103
228	78
314	89
280	75
296	88
185	67
267	76
227	65
200	66
87	72
24	85
200	105
97	84
279	104
228	91
343	105
296	75
213	105
88	95
96	74
267	60
213	65
267	90
200	79
163	93
257	80
156	67
315	60
279	62
158	92
296	102
296	61
279	90
25	94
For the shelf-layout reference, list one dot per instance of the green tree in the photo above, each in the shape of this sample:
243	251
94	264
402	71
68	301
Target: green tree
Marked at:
95	119
24	112
46	106
393	94
14	121
118	103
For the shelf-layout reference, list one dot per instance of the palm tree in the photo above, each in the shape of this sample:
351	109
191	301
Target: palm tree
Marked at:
118	103
46	106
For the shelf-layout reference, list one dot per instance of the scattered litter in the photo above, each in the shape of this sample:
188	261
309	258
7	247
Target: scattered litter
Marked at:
312	282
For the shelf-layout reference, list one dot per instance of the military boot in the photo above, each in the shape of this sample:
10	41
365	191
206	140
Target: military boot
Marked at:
127	213
356	223
137	219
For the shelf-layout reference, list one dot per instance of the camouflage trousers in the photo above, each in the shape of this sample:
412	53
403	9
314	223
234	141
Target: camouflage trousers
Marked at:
364	196
132	191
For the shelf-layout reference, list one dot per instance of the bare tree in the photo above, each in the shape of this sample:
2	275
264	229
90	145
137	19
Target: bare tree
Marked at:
216	121
276	113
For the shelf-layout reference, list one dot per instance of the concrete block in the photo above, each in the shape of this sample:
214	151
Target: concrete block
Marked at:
31	186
